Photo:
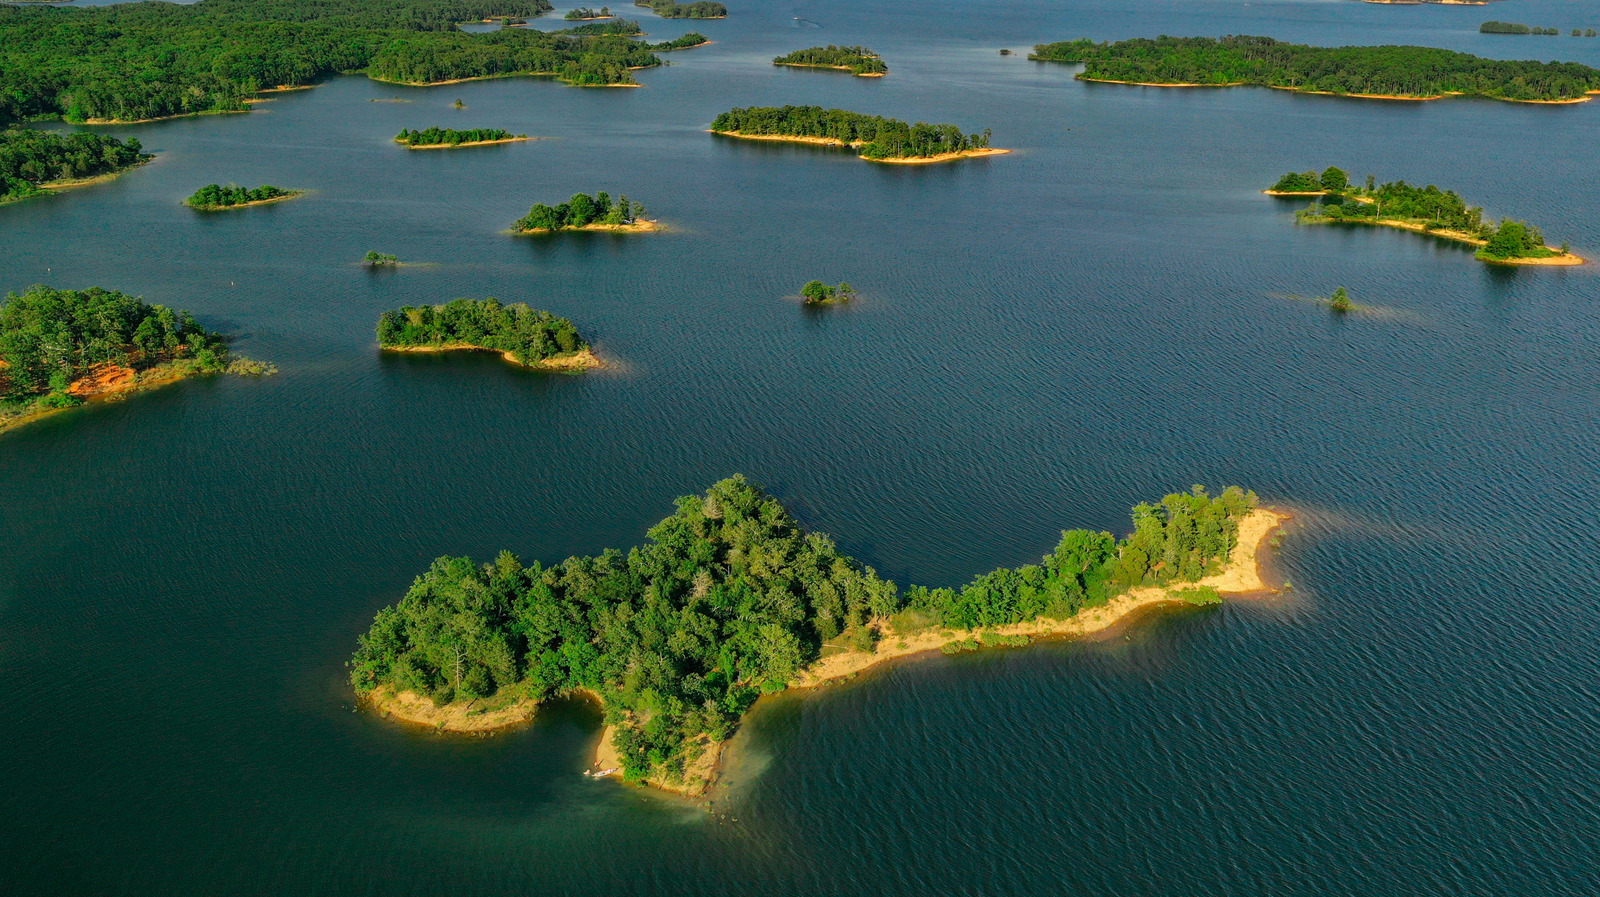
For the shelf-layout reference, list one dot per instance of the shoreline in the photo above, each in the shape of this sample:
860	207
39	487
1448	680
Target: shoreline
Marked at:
857	144
413	709
642	226
293	194
96	179
122	382
1559	259
1328	93
832	68
582	360
979	153
431	146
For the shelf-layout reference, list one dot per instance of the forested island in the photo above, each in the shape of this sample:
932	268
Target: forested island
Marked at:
1427	210
876	138
585	212
132	62
584	14
615	26
1388	72
818	293
450	138
520	334
33	161
376	259
856	60
667	9
215	197
59	348
731	599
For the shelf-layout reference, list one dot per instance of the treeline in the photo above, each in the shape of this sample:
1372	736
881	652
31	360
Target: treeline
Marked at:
133	61
1493	27
29	158
1384	71
731	598
50	338
453	137
692	39
584	12
580	211
530	335
876	136
216	196
615	26
858	60
667	9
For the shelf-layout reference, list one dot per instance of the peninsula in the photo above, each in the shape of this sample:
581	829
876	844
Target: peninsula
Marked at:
1385	73
1426	210
586	213
667	9
61	348
34	162
135	62
450	138
217	198
730	599
858	61
877	139
522	335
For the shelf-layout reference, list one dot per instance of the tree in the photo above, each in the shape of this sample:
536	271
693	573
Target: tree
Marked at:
1340	301
1334	180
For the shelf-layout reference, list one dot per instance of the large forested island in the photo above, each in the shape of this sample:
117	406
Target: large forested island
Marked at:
876	138
588	213
520	334
138	61
668	9
730	599
59	348
450	138
33	161
215	197
1389	72
856	60
1427	210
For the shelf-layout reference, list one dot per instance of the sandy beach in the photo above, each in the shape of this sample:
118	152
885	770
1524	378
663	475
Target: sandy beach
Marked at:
581	360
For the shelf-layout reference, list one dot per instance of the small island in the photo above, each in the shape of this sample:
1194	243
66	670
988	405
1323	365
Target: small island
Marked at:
730	599
623	27
216	198
375	259
1379	73
667	9
61	348
875	138
1426	210
522	335
858	61
818	293
450	138
586	213
585	14
34	162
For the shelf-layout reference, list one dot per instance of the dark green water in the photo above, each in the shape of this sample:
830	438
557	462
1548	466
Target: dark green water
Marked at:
1044	339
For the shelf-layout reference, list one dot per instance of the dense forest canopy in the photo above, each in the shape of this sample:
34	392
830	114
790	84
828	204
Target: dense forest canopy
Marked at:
581	210
584	12
50	338
1382	71
453	137
615	26
667	9
530	335
858	60
877	137
216	196
132	61
29	158
728	599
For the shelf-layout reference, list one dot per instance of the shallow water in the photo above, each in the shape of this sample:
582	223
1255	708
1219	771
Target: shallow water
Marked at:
1043	340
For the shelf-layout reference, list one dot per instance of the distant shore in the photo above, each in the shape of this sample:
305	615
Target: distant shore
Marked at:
581	360
432	146
1328	93
856	144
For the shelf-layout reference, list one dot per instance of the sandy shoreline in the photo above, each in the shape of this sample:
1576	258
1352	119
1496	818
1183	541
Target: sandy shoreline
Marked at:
106	382
856	144
581	360
1328	93
1560	259
833	68
432	146
642	226
464	718
942	157
293	194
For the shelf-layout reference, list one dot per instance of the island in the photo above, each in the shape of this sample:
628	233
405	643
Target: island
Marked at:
877	139
376	259
522	335
1383	73
818	293
858	61
667	9
137	62
585	14
624	27
586	213
450	138
217	198
61	348
730	599
34	162
1426	210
